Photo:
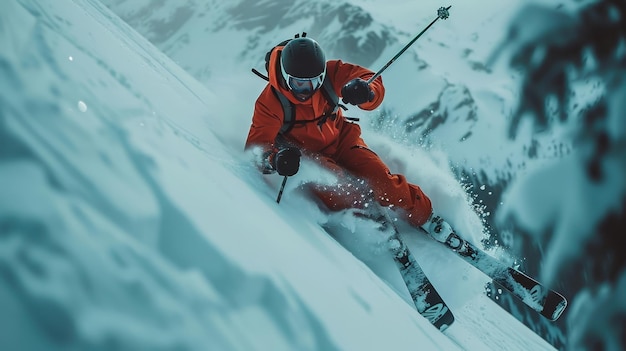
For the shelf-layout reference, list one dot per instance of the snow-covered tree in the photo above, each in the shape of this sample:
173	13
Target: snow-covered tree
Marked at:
573	64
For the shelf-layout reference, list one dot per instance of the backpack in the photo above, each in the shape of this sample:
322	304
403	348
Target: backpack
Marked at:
289	115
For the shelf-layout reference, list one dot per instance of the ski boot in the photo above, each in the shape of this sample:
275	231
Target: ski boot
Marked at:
441	231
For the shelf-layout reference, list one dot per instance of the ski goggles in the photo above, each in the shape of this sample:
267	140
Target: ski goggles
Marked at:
303	88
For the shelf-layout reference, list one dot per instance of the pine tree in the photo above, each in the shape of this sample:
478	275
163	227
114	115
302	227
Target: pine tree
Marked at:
573	65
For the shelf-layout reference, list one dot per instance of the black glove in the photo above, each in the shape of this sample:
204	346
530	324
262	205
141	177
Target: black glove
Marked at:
356	92
286	161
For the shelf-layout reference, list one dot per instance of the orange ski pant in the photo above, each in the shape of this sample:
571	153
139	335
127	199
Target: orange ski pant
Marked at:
363	176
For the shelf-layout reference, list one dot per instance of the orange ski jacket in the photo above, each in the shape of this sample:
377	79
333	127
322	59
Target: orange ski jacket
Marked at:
268	112
336	143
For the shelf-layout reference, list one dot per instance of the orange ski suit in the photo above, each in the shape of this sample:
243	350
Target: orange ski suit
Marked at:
335	144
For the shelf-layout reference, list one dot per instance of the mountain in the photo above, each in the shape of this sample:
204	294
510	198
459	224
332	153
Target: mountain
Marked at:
128	221
549	74
349	31
446	96
444	78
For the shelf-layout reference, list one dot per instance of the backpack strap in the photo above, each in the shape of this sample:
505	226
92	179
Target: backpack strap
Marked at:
289	117
331	97
261	75
289	113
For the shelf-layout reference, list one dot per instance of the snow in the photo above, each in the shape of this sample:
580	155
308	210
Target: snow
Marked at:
130	220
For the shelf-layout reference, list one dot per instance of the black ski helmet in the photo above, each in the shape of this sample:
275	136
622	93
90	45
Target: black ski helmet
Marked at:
303	58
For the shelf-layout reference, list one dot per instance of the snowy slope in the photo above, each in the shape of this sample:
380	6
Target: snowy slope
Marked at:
127	223
446	104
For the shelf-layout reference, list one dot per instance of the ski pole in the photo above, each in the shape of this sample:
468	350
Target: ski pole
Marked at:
442	13
282	188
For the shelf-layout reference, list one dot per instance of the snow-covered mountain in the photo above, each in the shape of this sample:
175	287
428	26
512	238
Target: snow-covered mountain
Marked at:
127	223
444	95
441	93
131	220
348	30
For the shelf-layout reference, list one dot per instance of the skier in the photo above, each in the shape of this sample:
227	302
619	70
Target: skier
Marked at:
321	133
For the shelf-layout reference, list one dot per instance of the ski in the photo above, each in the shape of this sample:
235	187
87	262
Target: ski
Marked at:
424	295
532	293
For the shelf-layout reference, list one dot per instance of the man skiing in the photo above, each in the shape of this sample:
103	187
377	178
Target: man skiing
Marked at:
319	131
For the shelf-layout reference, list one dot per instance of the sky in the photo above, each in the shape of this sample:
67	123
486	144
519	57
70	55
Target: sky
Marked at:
129	222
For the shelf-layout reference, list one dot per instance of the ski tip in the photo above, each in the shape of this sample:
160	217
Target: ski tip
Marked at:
558	310
554	305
